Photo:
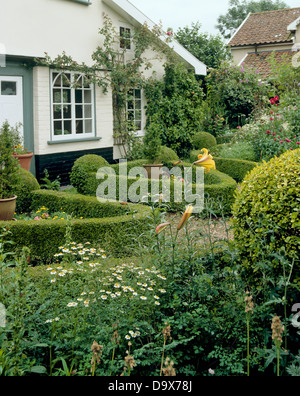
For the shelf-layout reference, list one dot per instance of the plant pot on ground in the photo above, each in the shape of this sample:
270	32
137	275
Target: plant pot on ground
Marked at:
23	155
152	147
8	169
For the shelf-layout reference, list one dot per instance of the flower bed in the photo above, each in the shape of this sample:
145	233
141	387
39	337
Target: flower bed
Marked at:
115	227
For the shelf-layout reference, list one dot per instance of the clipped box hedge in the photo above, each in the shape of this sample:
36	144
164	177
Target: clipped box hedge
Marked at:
217	185
116	233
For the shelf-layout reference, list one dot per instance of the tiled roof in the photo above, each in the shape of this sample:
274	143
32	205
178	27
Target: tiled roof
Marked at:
266	27
261	61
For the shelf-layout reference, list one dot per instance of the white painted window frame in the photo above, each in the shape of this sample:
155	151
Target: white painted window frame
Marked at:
73	136
139	132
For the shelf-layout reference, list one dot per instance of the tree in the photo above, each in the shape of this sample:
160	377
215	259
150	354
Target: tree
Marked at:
209	49
238	11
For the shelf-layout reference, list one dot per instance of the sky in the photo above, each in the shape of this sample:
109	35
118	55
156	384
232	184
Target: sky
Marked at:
180	13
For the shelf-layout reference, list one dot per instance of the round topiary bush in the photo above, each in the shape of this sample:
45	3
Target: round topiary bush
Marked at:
203	140
266	214
84	165
166	156
24	184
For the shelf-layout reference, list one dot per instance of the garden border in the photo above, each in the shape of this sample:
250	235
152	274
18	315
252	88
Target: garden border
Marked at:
117	235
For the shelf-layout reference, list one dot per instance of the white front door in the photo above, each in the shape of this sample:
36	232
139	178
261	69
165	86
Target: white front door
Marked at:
11	100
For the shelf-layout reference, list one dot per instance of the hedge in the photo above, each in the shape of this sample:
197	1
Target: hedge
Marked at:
117	235
235	168
217	186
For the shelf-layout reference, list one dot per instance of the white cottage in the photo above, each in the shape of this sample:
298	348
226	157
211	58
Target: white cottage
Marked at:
32	94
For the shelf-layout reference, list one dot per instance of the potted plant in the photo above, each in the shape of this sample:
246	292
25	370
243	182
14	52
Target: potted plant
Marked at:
23	155
152	147
8	169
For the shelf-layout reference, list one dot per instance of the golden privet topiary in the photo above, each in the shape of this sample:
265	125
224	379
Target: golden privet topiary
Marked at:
266	211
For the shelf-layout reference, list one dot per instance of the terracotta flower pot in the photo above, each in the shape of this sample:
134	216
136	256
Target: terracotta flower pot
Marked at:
7	208
153	170
24	160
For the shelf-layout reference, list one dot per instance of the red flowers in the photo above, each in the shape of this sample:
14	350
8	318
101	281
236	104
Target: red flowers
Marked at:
274	100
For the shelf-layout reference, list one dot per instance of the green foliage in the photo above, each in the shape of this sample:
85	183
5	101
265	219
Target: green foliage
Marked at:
48	184
209	49
84	165
244	151
166	156
273	133
238	10
174	106
266	210
152	141
24	185
8	163
235	168
224	139
234	92
218	186
202	140
116	232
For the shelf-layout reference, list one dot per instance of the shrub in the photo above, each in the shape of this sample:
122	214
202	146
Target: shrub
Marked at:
117	234
242	150
266	210
218	186
225	139
235	168
24	184
203	140
173	105
166	156
84	165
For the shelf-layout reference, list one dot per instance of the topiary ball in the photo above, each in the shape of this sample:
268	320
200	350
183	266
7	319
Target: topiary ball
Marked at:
24	184
266	212
202	140
86	164
166	156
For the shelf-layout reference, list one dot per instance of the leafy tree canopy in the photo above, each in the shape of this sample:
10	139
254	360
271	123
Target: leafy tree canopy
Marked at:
209	49
238	11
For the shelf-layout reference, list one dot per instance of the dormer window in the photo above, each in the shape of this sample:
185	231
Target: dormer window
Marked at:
125	38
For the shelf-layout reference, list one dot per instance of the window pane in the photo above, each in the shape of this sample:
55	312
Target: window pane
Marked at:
58	128
138	104
88	126
79	111
87	96
78	96
138	124
8	88
67	113
137	93
67	127
138	115
79	127
57	112
130	105
66	96
87	111
57	96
